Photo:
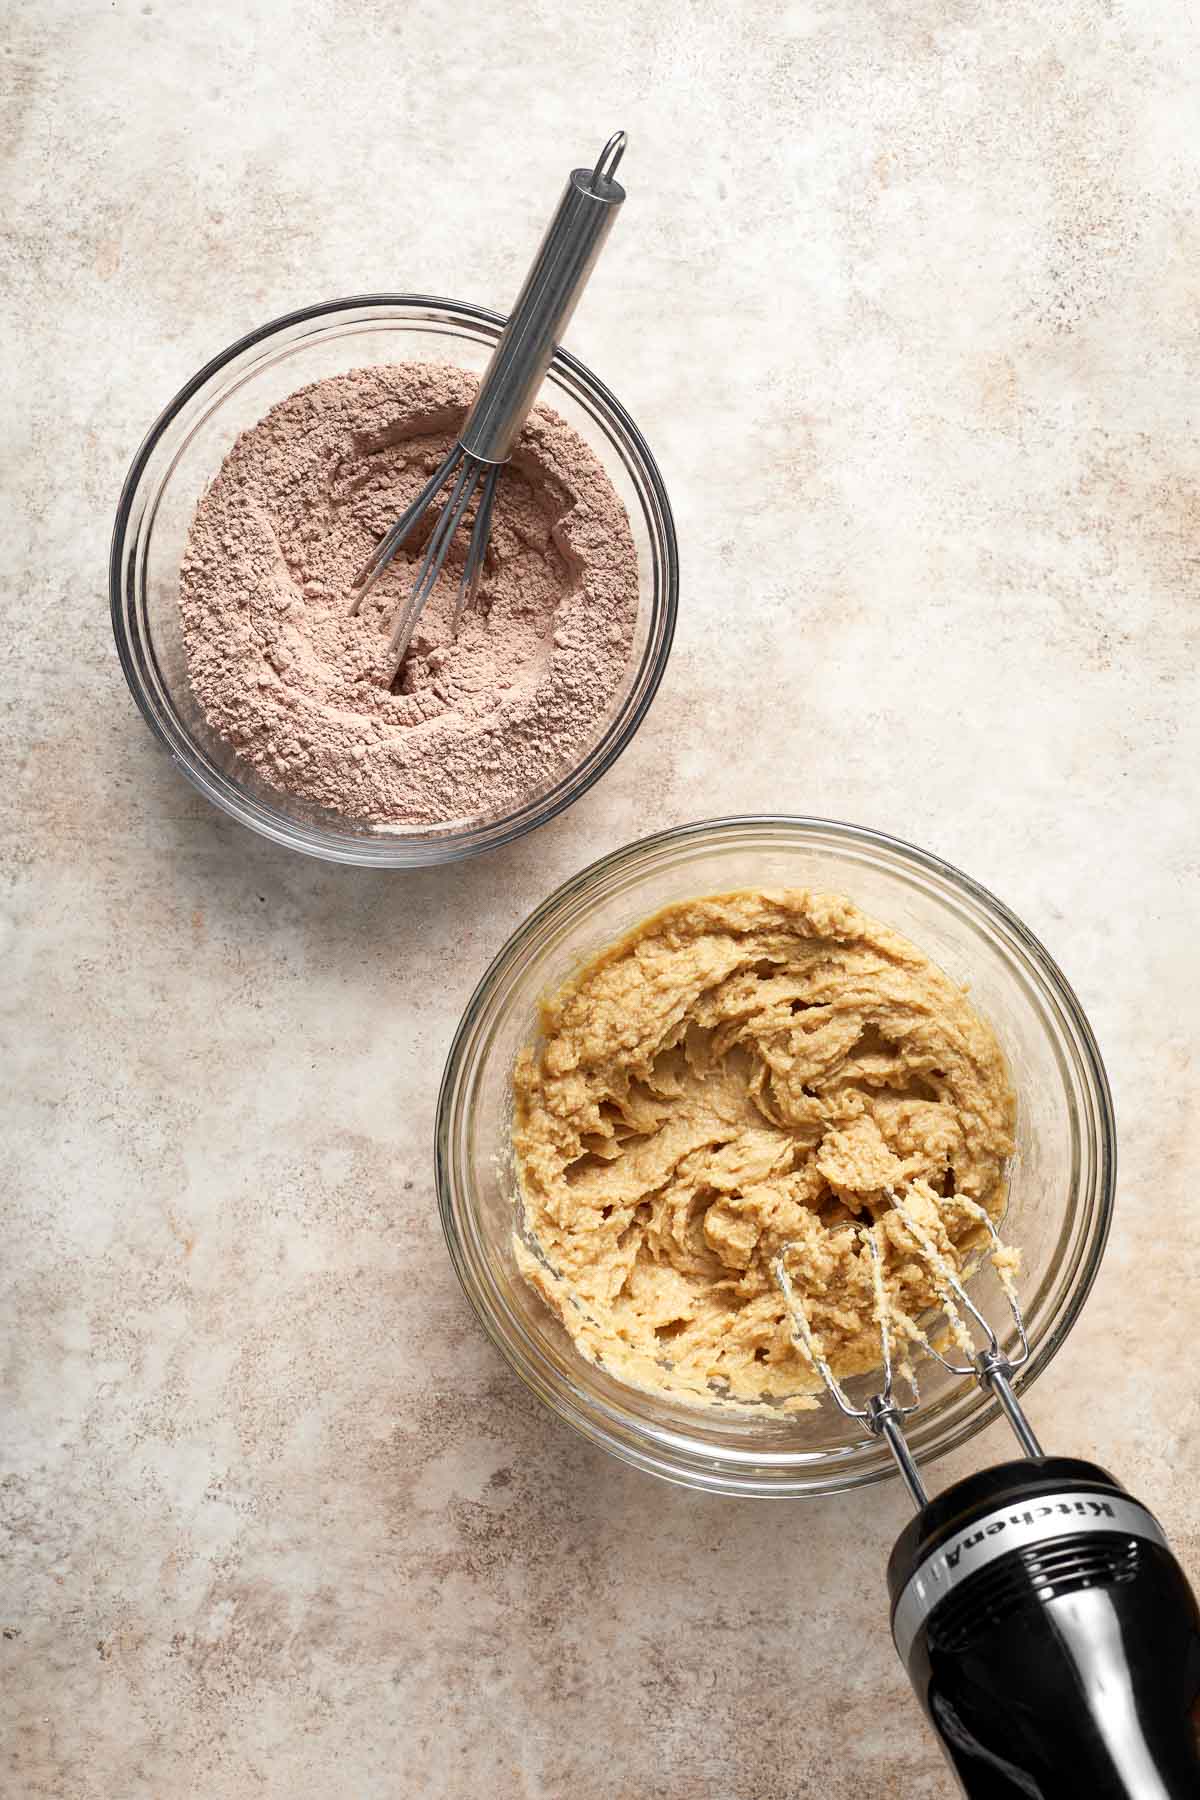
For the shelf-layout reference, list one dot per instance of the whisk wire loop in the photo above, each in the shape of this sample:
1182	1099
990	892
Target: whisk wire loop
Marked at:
477	545
388	545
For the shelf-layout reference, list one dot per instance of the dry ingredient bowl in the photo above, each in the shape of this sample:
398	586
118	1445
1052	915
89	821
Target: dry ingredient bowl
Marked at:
1061	1180
184	451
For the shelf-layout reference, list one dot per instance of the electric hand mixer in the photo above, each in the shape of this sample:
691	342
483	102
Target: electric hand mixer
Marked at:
1047	1629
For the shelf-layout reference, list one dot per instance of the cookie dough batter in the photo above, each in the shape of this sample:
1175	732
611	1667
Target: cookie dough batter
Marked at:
740	1073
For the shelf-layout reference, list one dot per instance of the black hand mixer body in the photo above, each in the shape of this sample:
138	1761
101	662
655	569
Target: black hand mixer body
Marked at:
1051	1636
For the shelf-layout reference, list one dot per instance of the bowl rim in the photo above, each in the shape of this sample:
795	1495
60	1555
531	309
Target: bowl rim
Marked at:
626	1441
411	850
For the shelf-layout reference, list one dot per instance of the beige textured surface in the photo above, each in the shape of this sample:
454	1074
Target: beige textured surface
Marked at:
929	271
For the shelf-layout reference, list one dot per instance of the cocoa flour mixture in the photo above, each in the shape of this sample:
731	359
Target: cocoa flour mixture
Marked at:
299	687
740	1074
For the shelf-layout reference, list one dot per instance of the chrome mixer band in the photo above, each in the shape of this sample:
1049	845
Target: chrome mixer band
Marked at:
1045	1519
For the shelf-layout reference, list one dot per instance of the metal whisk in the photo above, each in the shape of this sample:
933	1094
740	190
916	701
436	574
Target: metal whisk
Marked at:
992	1367
558	276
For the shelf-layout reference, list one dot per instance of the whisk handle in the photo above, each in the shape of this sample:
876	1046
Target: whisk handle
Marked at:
564	261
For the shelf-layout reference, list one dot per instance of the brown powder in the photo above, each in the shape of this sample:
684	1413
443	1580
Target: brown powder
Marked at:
299	687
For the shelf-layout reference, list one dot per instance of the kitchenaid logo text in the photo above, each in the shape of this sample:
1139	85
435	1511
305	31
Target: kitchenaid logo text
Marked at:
1087	1509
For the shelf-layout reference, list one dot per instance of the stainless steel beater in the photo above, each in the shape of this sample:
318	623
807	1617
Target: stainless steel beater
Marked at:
1048	1631
883	1414
559	273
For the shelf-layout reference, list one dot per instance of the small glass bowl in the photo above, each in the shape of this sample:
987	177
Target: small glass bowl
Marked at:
1061	1178
185	449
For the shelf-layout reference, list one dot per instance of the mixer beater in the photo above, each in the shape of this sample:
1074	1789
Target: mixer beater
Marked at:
882	1413
1050	1635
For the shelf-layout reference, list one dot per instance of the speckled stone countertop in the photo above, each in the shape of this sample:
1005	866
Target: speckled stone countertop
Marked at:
905	299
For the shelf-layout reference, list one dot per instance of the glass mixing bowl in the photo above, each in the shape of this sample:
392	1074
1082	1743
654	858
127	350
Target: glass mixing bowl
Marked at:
184	451
1061	1178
